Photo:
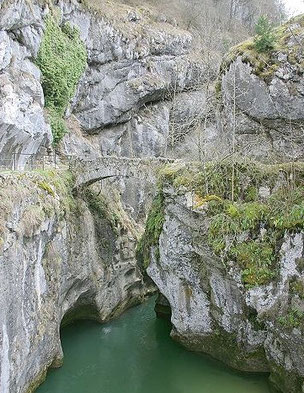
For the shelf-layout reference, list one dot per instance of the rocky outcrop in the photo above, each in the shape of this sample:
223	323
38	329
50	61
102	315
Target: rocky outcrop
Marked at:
234	292
61	258
138	65
23	128
134	59
266	90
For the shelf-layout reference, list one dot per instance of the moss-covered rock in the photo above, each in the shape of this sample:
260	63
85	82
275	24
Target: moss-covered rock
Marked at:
261	220
230	263
260	96
265	64
225	347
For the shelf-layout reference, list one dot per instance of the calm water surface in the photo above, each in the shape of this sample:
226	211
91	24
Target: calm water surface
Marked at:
134	354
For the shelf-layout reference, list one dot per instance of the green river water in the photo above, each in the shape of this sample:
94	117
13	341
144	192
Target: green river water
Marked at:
134	354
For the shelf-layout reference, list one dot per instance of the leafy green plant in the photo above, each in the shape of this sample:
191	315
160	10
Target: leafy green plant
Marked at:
297	288
46	187
57	125
154	226
256	260
62	60
265	38
293	319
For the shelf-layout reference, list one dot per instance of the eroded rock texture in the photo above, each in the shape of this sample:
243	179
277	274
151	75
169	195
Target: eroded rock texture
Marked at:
135	60
61	258
23	127
265	91
250	328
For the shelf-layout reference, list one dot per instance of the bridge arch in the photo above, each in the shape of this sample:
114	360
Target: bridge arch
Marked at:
89	172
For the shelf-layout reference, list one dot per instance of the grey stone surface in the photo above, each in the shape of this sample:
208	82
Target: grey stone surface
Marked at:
87	172
213	312
23	128
269	107
52	263
134	60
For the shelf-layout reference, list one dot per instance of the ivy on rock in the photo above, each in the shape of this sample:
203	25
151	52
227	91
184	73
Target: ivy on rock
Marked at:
62	60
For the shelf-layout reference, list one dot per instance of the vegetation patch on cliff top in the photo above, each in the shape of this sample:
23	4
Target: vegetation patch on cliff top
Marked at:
135	22
33	197
287	40
250	206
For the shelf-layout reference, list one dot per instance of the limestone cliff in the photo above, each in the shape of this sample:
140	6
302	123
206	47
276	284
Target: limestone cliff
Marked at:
232	272
135	59
64	256
61	257
138	63
265	91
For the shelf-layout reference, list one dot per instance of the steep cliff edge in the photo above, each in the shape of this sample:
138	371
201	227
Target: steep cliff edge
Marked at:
135	59
232	272
61	257
120	99
262	95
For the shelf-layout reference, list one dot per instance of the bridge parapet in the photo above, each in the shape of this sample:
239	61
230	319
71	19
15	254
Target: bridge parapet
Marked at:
88	172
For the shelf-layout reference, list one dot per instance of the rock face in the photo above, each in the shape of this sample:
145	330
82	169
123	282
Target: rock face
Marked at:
138	65
23	128
134	61
267	93
61	258
252	328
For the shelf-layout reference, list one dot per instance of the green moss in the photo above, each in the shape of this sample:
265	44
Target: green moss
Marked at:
154	226
46	187
233	222
285	380
254	319
256	260
62	60
293	319
218	89
297	288
225	347
300	264
99	206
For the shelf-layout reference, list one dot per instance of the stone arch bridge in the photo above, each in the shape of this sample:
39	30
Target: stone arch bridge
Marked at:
89	172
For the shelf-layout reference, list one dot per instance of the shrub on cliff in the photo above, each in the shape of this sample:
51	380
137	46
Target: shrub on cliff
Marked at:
62	60
265	38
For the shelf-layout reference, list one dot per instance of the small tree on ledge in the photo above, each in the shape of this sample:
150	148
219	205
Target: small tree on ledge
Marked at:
265	38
